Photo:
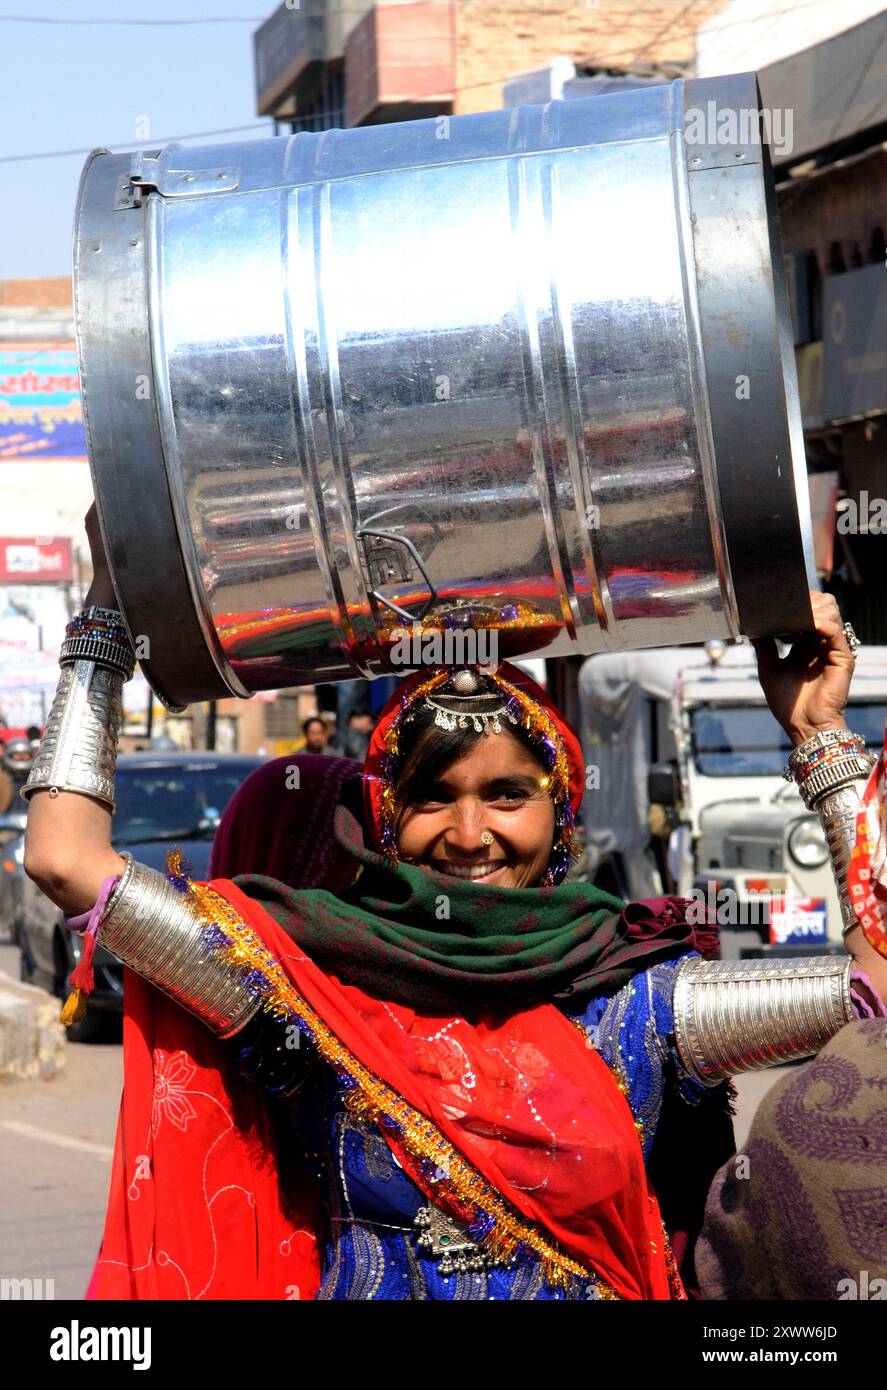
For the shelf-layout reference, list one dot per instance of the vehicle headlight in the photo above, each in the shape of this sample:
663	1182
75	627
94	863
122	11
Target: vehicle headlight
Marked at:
807	844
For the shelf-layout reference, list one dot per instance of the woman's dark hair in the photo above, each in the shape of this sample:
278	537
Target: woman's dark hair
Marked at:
427	750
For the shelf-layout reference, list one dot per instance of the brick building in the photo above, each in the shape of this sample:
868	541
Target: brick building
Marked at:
322	65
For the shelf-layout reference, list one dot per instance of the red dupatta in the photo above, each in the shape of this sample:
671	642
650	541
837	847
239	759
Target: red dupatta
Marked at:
514	1124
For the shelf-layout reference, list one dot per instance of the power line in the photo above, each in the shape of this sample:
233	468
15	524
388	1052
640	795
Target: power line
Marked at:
756	18
663	33
603	60
247	19
616	15
129	144
858	86
212	19
715	29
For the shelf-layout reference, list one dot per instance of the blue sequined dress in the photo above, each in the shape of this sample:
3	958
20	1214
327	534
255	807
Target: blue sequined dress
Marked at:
376	1212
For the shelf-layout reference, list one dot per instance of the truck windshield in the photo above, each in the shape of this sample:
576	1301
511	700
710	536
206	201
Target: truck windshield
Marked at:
746	741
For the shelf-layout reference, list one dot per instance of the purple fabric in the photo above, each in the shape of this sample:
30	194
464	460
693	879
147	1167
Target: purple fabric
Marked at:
280	823
817	1151
861	1006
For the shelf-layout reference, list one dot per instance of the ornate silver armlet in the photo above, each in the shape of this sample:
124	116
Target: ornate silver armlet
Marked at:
78	752
151	927
735	1015
837	812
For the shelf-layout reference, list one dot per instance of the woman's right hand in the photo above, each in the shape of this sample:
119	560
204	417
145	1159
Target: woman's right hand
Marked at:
101	590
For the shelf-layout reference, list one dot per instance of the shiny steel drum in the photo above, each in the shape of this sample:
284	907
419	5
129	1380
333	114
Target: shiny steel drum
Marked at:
530	369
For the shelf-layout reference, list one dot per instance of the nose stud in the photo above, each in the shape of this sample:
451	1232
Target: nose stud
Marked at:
486	838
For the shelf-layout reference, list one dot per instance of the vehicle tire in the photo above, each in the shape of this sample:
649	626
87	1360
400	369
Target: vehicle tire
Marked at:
90	1028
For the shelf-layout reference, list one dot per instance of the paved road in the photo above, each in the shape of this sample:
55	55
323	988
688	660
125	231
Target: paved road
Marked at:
56	1141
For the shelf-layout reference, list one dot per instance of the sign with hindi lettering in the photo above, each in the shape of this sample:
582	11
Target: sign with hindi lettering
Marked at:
40	411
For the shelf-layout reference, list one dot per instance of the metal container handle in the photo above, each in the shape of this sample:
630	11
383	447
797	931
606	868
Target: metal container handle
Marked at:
408	545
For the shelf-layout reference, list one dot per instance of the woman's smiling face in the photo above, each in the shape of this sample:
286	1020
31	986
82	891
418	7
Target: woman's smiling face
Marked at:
496	789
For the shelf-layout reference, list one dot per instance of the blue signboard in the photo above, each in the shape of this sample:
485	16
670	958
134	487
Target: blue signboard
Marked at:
40	411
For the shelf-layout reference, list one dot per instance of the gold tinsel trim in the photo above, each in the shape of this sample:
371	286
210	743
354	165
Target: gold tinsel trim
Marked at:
371	1099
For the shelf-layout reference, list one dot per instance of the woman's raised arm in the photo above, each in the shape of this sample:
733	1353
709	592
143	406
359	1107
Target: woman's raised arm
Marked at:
68	849
146	921
807	692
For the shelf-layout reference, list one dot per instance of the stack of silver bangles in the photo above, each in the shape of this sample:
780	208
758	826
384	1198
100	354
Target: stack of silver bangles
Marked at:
78	752
829	770
827	761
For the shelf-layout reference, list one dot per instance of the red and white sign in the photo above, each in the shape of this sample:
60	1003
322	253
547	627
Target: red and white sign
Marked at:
31	560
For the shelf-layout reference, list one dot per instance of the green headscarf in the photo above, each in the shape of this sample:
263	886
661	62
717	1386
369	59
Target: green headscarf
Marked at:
447	945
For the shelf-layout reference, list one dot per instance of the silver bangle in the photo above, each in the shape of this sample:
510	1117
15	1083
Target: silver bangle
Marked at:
122	883
104	651
78	752
829	777
815	778
826	738
152	928
733	1016
99	635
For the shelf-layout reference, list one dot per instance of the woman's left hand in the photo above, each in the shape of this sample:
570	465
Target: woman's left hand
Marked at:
807	690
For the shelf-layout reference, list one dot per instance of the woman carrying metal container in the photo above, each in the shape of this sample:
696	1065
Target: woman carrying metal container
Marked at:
483	1067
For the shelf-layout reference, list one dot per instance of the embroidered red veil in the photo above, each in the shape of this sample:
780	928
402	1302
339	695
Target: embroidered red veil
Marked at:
202	1204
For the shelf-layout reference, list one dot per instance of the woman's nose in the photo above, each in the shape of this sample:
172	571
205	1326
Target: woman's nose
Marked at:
466	827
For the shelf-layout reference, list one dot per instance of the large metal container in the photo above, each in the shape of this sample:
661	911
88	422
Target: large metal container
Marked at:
530	369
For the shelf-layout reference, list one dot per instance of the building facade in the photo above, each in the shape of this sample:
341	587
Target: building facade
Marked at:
832	196
321	65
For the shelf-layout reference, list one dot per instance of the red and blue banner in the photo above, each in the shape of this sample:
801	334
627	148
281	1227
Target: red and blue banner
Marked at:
40	411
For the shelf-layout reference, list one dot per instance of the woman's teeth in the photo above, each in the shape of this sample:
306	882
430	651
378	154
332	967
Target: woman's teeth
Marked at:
472	871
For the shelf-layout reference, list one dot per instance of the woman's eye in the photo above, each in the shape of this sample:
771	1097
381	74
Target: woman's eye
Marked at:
511	795
430	799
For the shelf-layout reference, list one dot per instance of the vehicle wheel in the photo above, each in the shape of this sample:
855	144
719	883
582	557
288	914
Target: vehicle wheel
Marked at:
91	1027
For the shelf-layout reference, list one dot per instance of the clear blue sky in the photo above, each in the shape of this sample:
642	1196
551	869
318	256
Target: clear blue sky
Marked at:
65	86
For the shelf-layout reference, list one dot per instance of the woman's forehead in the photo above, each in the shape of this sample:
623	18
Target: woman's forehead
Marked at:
489	757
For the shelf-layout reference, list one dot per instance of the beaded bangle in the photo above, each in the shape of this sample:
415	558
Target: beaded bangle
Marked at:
831	776
822	748
82	626
826	762
99	635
